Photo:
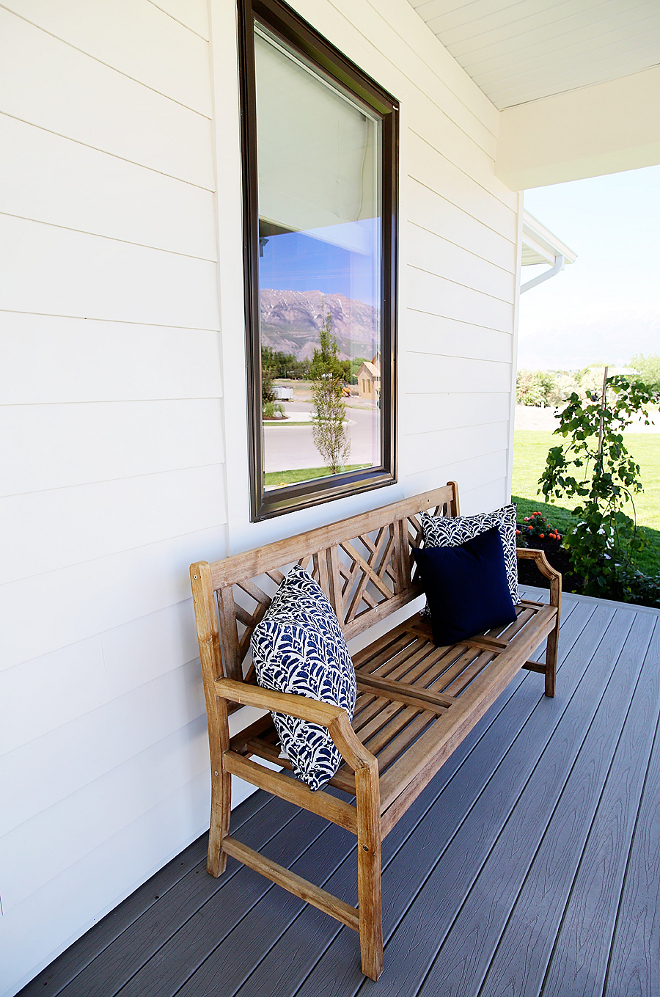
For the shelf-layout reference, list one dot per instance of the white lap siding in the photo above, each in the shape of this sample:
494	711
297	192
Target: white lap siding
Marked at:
124	404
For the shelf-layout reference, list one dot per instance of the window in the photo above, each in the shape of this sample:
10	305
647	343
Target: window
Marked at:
320	198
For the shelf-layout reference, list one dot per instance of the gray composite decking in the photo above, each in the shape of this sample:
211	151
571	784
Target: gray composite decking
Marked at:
530	865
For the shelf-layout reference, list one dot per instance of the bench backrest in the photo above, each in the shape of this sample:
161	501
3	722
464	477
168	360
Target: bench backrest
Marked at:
363	565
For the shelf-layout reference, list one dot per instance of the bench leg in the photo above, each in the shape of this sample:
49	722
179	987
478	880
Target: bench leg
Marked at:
551	661
216	862
369	899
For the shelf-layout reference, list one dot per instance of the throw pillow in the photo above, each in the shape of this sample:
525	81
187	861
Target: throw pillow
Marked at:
299	647
466	587
443	531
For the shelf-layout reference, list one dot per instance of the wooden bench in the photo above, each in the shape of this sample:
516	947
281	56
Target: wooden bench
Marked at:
416	702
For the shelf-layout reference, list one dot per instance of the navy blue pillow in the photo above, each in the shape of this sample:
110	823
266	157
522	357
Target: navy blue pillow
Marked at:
466	587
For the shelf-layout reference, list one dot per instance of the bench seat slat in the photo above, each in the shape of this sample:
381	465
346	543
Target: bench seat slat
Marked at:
418	765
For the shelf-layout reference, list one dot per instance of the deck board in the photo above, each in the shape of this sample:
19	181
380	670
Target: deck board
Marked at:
576	965
529	865
506	933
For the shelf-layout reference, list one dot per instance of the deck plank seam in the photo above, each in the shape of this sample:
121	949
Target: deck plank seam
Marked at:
595	815
656	742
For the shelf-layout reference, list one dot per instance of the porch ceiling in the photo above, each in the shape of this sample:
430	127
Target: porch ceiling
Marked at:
520	51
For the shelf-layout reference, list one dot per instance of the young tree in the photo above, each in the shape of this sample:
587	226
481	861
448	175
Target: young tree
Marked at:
594	467
328	374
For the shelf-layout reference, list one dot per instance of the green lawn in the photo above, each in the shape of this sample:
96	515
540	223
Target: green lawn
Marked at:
529	454
278	478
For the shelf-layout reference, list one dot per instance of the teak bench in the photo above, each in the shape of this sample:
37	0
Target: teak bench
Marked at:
416	702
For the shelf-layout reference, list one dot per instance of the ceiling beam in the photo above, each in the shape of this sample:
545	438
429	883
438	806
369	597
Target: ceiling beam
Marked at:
605	128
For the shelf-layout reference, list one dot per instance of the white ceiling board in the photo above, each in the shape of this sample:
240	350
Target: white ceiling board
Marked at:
513	96
517	52
569	65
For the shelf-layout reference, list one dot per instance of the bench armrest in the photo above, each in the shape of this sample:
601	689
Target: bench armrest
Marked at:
333	717
546	569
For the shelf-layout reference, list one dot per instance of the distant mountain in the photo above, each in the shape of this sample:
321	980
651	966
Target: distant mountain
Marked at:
291	320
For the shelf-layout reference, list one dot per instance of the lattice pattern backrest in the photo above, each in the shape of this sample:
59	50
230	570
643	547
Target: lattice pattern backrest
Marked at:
362	564
242	605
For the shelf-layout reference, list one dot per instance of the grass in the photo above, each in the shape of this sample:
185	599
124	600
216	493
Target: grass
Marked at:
529	454
277	479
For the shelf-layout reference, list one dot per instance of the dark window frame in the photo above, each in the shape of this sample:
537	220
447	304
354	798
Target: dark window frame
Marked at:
292	29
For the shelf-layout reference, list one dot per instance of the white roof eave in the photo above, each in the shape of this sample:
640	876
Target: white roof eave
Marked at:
540	245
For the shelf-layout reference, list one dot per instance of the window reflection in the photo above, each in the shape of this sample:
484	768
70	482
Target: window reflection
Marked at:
318	155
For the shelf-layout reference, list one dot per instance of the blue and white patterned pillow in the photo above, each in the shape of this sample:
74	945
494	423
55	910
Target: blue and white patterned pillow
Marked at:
299	647
445	531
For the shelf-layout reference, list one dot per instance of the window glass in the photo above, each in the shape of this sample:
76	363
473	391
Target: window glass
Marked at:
318	325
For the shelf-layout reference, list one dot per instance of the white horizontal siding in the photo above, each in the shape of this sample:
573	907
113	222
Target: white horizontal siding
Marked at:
55	529
74	900
175	63
427	292
429	372
440	447
124	380
78	897
432	168
453	411
93	672
55	271
78	445
76	683
486	494
92	192
192	13
457	338
78	823
49	359
483	471
41	613
142	650
111	387
429	120
51	84
429	251
75	755
436	213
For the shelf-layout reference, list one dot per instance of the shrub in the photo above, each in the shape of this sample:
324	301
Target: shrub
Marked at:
274	410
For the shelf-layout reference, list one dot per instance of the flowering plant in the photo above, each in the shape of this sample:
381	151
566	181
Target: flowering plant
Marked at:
537	525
